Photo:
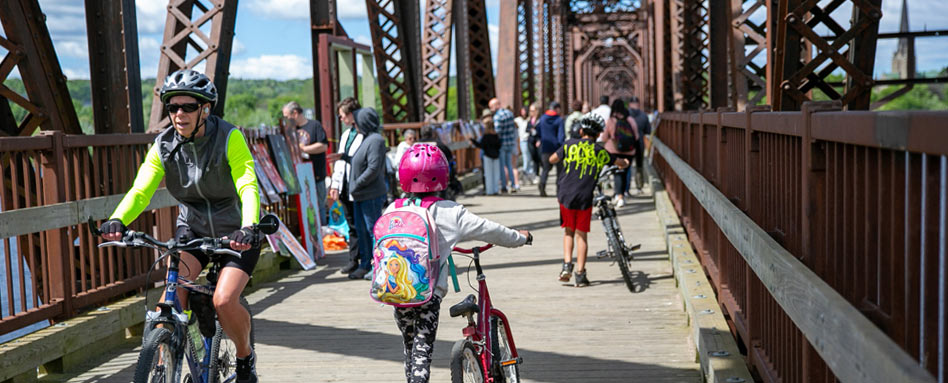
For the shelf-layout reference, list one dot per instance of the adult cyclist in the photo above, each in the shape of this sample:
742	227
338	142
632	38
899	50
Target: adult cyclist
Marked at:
208	168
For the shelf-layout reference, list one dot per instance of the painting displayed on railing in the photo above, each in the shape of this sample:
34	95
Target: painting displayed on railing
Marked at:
308	201
284	162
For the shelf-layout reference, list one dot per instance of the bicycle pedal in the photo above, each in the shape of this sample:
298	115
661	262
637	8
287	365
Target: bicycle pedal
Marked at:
510	362
602	253
633	247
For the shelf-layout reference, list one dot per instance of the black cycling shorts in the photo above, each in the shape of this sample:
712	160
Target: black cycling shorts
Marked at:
246	262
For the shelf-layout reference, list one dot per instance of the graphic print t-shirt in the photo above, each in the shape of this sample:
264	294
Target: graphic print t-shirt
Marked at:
582	161
310	133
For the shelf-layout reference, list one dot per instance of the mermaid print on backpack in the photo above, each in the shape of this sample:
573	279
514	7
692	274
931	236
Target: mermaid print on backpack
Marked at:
405	256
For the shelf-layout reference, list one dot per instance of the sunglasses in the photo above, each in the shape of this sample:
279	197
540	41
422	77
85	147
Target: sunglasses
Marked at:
188	108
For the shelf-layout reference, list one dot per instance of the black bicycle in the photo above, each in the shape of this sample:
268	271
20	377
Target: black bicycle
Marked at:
620	252
170	333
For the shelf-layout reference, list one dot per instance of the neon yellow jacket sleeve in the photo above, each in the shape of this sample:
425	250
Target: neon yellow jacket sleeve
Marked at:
146	182
245	179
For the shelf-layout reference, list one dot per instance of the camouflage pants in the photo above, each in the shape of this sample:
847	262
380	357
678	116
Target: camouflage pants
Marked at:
419	326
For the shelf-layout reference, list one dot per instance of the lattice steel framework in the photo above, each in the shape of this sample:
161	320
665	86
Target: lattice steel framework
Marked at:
851	49
436	58
607	52
525	62
482	71
396	43
29	49
183	29
691	18
603	6
748	41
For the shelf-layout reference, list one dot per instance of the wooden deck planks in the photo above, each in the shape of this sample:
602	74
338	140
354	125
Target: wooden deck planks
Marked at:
318	326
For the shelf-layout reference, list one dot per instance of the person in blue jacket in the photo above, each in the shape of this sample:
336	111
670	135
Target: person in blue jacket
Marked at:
550	134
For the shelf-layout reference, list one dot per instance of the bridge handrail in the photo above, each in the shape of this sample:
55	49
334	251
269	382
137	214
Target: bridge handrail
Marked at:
855	349
776	193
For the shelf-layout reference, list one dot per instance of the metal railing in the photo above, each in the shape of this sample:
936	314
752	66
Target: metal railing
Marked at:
848	273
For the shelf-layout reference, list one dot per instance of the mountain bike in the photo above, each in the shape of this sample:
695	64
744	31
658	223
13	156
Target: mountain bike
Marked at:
171	334
618	249
487	353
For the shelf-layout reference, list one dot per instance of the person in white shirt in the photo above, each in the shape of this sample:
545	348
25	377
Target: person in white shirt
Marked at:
348	144
409	137
523	133
603	110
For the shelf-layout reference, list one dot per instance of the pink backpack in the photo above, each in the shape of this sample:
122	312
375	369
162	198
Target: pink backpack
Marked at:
405	256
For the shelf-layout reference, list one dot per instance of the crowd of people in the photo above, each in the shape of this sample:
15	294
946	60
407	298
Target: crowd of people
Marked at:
215	182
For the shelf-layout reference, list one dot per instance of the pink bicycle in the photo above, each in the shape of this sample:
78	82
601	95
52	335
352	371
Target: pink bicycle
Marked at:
487	353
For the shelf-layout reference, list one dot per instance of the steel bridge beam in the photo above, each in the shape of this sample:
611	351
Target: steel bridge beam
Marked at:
215	50
436	57
30	50
113	46
396	43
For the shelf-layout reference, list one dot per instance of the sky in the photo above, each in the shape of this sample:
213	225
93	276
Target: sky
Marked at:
273	41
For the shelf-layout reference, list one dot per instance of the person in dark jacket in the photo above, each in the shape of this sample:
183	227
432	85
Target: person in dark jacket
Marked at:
490	145
550	134
367	183
641	122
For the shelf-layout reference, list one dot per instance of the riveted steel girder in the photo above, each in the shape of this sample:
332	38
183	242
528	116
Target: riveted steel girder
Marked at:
113	46
436	57
30	50
214	50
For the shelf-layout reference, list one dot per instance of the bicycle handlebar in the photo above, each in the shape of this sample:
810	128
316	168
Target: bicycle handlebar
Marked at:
207	245
480	249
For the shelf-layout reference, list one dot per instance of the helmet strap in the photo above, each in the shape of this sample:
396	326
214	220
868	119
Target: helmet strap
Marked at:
190	137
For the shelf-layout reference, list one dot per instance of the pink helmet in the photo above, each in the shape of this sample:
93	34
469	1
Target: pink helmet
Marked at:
423	169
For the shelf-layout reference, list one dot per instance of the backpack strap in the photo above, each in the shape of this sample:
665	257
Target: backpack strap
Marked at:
422	202
454	274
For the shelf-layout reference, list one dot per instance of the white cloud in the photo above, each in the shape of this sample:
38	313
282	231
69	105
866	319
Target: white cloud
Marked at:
76	73
278	67
299	9
78	48
237	48
363	39
151	15
493	31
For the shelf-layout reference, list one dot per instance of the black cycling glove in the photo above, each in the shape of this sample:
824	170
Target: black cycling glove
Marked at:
244	235
112	226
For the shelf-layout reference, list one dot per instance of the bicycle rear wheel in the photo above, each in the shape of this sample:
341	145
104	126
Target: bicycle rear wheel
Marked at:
466	363
502	352
619	252
157	361
224	351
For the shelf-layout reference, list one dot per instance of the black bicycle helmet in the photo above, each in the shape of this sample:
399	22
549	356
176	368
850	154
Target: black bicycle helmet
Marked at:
187	82
593	123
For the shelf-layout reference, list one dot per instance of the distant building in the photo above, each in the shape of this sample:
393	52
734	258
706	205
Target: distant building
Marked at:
903	61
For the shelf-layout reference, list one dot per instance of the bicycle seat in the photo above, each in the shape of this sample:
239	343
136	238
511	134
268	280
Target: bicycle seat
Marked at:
467	307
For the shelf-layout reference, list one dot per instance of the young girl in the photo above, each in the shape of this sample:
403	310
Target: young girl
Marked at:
490	146
423	172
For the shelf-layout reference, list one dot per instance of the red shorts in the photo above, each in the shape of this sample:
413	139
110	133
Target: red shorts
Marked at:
575	219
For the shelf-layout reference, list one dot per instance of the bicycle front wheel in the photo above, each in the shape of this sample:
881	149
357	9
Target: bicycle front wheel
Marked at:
466	363
157	361
224	351
619	252
503	353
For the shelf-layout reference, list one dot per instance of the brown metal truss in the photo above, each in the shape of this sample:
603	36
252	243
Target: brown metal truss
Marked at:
747	75
183	29
525	63
113	48
693	37
396	44
603	6
436	58
482	71
607	56
852	50
29	49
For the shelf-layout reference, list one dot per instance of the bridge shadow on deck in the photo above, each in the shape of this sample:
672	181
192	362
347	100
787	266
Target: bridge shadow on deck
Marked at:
544	366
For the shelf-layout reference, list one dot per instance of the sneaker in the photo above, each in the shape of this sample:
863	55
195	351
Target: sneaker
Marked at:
247	369
515	189
620	202
567	270
358	273
350	267
369	275
581	280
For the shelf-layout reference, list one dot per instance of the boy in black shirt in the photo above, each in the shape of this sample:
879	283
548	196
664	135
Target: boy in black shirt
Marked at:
583	159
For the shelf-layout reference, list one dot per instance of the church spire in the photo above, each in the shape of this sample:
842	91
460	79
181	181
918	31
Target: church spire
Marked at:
903	61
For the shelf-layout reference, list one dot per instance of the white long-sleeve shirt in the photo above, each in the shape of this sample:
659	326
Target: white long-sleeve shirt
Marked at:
340	168
456	224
